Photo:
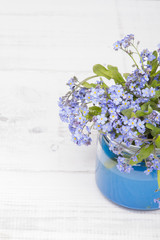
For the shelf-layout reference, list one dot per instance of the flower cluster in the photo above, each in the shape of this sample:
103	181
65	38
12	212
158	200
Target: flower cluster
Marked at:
128	112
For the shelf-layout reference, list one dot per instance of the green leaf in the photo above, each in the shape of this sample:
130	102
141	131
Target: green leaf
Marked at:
133	115
101	71
155	84
88	85
141	113
154	63
110	73
127	112
94	110
157	95
155	74
144	106
155	130
118	79
131	162
157	141
125	75
145	152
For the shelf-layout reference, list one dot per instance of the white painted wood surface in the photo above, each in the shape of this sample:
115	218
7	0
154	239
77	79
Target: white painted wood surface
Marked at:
47	184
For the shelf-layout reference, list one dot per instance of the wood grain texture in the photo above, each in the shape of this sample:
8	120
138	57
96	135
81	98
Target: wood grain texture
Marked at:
47	184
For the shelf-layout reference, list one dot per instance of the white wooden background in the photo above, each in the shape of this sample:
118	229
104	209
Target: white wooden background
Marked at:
47	184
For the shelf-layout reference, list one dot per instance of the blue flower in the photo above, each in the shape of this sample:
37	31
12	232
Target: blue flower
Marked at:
101	119
112	110
132	86
113	116
107	127
81	119
151	57
132	122
125	129
117	100
146	92
88	97
140	126
85	111
152	92
156	164
71	83
125	120
119	90
134	158
148	171
117	45
157	118
98	126
145	77
157	201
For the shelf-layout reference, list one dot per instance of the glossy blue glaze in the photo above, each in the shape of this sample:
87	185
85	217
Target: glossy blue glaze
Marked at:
134	190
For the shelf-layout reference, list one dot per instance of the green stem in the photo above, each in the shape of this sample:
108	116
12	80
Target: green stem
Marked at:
139	55
85	80
145	140
131	57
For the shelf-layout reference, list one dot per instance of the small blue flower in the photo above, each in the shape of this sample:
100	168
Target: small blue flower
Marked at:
148	171
132	122
117	100
85	111
129	96
132	86
145	77
151	57
134	158
146	92
152	92
112	110
125	129
71	83
113	116
156	164
157	201
81	119
119	90
117	45
107	127
101	119
125	120
157	118
128	168
97	126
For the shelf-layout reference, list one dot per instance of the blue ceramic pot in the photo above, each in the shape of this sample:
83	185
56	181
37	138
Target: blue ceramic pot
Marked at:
134	190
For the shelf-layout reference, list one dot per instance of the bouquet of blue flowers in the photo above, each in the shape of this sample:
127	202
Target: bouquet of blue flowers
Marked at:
128	111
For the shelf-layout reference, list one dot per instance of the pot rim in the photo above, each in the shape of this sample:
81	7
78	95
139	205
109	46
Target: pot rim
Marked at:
130	150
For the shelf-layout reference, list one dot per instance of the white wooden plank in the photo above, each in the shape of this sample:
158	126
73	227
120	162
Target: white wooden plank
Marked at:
66	206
